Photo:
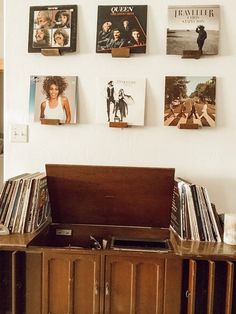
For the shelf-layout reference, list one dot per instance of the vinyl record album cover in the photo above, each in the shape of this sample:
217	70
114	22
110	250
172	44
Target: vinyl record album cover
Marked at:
121	26
190	99
121	100
53	97
53	27
193	28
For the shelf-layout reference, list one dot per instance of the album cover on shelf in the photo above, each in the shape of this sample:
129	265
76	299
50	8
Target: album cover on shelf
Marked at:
121	100
190	99
52	27
53	98
193	28
121	26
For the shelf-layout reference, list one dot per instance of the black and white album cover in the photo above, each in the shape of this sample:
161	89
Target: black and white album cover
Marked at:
121	100
190	99
193	28
121	26
53	27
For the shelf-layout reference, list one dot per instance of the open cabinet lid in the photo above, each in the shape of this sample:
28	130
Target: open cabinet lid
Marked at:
107	195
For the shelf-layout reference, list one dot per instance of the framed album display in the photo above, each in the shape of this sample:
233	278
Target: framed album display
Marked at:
52	27
193	27
121	26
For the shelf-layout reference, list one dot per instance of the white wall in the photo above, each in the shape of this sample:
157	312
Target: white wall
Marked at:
1	28
1	90
205	156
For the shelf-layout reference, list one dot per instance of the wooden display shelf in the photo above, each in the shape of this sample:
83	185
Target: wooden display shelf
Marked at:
189	126
123	52
118	125
50	121
51	52
191	54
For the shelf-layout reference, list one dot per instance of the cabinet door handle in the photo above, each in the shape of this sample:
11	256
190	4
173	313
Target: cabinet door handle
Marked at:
96	288
107	291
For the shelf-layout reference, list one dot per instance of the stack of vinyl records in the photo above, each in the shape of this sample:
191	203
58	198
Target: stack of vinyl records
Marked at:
193	216
24	203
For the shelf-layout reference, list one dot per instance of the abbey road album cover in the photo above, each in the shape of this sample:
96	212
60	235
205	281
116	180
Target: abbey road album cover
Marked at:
121	100
193	28
121	26
53	97
53	27
190	99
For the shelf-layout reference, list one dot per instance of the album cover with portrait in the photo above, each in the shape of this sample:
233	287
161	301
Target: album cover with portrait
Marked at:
53	97
121	100
121	26
52	27
194	27
190	100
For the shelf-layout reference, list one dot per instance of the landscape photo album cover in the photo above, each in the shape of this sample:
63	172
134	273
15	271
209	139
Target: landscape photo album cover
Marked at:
193	28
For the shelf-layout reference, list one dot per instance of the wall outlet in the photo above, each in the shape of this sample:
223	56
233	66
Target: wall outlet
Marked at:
19	133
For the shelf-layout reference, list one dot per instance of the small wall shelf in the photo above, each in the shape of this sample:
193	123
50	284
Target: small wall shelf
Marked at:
51	52
50	121
123	52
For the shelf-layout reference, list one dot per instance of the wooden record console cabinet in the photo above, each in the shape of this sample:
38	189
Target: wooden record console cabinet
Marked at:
60	270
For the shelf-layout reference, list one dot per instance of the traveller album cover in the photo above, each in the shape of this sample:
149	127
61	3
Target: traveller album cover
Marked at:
193	28
121	26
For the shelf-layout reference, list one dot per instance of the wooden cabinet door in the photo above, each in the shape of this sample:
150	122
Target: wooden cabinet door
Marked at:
134	285
70	283
33	275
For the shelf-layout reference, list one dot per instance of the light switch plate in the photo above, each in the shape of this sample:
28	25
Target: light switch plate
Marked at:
19	133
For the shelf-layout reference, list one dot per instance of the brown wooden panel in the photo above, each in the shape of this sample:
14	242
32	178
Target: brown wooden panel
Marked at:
173	285
71	283
18	282
149	286
211	288
56	284
185	287
86	292
229	288
234	290
134	285
33	283
5	282
106	195
220	287
118	287
201	288
192	286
